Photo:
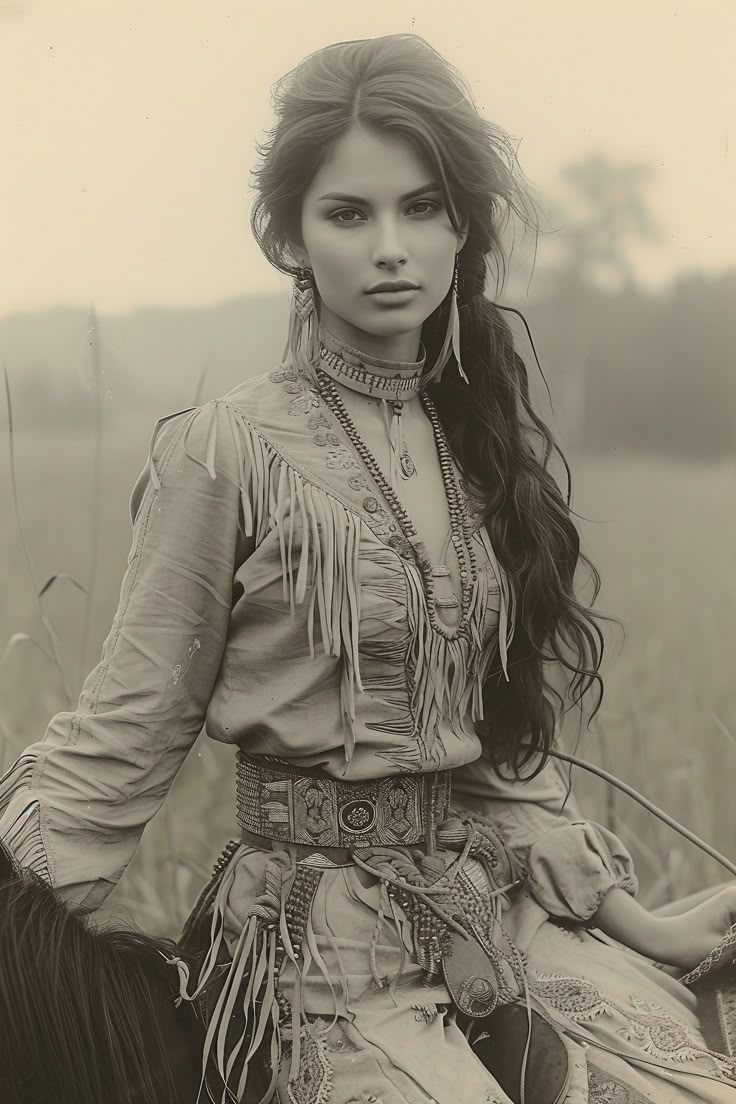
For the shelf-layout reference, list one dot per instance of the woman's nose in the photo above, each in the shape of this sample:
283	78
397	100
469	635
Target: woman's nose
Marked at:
389	248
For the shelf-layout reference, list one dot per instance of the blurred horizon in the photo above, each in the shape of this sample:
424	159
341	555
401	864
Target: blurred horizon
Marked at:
129	132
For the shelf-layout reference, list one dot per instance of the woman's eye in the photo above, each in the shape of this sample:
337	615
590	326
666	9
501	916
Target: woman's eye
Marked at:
336	216
427	203
347	211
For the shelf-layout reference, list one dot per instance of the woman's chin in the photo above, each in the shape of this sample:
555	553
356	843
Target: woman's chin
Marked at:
390	321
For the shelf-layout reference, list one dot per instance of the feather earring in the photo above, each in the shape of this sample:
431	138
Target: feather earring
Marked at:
451	343
301	352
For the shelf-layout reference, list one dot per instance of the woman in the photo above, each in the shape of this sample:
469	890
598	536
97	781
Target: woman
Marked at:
356	569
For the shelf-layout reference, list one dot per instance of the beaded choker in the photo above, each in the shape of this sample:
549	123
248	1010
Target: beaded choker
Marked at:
384	379
393	381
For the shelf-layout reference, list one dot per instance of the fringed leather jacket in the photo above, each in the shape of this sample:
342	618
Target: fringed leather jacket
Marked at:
270	597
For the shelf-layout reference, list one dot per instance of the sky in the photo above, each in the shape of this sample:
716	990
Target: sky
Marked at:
128	128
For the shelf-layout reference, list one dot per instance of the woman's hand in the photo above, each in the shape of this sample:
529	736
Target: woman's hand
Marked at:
689	938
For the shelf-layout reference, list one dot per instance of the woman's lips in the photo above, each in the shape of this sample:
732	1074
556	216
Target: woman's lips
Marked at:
391	296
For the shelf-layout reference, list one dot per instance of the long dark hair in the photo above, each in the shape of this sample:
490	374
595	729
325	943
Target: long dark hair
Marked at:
398	83
87	1014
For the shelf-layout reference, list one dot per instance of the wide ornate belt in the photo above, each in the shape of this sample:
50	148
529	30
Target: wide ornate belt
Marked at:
308	807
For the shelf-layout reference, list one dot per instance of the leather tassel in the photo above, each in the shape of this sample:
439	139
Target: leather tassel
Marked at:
435	373
455	331
395	436
301	351
451	344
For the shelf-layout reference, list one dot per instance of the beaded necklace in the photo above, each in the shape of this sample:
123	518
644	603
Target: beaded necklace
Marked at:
460	525
392	381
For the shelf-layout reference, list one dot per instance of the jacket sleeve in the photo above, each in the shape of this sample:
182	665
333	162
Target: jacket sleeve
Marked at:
571	863
74	805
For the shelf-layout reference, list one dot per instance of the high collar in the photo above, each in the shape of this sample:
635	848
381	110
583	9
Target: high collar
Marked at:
369	374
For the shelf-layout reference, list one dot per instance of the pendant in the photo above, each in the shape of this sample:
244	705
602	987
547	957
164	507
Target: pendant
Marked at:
408	466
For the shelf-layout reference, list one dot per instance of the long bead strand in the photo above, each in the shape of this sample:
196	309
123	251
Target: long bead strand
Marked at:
459	521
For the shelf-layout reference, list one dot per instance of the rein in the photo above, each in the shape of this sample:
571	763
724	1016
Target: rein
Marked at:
649	805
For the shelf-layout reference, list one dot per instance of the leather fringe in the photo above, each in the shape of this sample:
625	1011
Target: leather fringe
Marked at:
448	672
20	818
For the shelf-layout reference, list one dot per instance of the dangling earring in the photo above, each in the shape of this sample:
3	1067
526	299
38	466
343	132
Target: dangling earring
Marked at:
452	337
301	352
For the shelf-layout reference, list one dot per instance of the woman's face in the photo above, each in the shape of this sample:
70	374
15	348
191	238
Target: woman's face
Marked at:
373	212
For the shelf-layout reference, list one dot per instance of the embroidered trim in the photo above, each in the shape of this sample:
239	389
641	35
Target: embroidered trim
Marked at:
332	1035
577	998
425	1013
723	954
606	1088
646	1024
313	1083
304	398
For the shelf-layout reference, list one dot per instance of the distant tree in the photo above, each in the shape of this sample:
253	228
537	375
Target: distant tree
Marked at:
605	208
601	208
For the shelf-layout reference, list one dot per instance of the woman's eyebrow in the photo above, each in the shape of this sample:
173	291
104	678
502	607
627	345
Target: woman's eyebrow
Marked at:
431	187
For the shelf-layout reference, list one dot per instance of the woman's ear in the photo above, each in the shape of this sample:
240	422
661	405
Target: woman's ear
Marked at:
463	235
299	254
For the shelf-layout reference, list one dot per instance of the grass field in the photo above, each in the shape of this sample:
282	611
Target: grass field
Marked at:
662	535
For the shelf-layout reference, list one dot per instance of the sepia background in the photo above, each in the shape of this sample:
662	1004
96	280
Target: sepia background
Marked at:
130	287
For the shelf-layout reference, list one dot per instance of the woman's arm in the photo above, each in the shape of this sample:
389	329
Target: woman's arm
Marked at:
683	940
578	870
75	804
571	862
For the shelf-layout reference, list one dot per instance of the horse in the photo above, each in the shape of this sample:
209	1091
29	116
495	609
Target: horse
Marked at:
88	1013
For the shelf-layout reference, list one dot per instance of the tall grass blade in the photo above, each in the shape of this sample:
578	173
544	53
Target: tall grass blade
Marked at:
95	512
199	390
20	638
61	575
16	507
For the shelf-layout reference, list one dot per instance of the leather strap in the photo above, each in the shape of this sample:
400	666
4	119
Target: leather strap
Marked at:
308	856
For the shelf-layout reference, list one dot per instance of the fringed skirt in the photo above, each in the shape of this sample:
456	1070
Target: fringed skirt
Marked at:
333	989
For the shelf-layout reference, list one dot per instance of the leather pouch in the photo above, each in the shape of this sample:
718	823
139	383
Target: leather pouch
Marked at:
499	1034
470	977
500	1044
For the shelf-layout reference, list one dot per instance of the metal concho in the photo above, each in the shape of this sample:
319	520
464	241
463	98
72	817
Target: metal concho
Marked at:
358	816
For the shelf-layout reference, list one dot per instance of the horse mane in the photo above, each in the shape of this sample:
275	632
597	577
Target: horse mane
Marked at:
87	1013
